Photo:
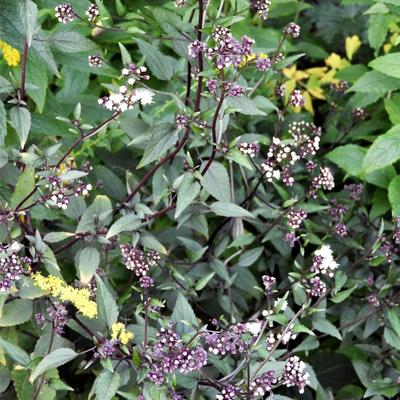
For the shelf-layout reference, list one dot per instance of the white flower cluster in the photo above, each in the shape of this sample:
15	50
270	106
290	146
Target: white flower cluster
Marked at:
324	262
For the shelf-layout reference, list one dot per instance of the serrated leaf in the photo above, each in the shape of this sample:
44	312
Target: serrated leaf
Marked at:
106	385
183	312
244	105
230	210
53	360
387	64
127	223
325	326
72	42
375	82
20	119
28	14
349	157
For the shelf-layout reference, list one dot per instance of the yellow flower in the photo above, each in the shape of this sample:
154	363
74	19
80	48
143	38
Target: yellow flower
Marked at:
352	45
247	59
11	56
119	332
80	298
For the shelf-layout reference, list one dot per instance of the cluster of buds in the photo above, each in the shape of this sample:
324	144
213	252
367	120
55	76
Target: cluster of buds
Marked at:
263	384
169	355
135	73
263	63
292	29
341	230
324	180
182	120
106	349
294	374
359	114
12	266
94	61
64	13
235	90
307	137
226	51
337	210
227	392
355	190
92	12
295	218
261	7
269	282
296	99
57	317
180	3
317	287
248	149
62	191
212	85
137	260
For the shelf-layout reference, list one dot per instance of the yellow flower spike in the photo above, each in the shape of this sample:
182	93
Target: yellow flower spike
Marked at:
352	45
56	287
11	56
119	332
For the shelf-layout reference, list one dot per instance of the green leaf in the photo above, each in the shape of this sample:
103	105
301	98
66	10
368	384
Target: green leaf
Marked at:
28	14
53	360
126	57
5	378
72	42
21	121
378	27
391	338
244	105
392	107
183	312
349	157
387	64
394	319
161	66
341	296
86	262
187	192
230	210
394	196
163	137
380	204
384	151
375	82
15	352
99	213
106	306
325	326
216	182
16	312
55	237
112	185
25	184
3	123
201	284
106	385
249	257
127	223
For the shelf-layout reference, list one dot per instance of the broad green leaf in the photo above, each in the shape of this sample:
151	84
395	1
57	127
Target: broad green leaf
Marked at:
392	107
106	306
53	360
106	385
230	210
216	182
28	14
187	192
161	66
244	105
86	262
378	27
204	280
343	295
15	352
98	213
126	57
127	223
16	312
394	319
162	138
349	157
249	257
391	338
3	123
112	184
384	151
387	64
183	312
380	204
394	196
72	42
21	121
375	82
325	326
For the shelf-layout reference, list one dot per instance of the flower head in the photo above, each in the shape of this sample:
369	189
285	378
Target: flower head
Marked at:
64	13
